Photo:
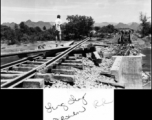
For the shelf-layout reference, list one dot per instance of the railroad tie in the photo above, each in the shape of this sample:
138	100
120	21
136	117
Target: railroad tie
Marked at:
34	62
49	77
33	83
28	65
63	67
12	72
76	65
49	58
63	71
2	82
22	68
71	58
9	76
78	56
65	78
58	53
73	61
42	60
46	76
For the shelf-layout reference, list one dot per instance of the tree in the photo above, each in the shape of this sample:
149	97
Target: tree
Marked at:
107	29
110	28
97	28
145	25
38	29
44	28
18	33
32	30
24	28
78	26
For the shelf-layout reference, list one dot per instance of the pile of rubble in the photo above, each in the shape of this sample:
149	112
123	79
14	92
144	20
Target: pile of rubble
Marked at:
90	77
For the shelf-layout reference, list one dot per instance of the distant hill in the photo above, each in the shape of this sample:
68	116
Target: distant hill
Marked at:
121	25
29	23
9	24
41	24
104	24
132	25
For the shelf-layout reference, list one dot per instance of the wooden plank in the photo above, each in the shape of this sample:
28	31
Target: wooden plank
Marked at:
65	78
63	67
104	45
112	83
58	53
107	74
96	57
33	83
71	58
9	76
78	56
76	65
73	61
49	77
34	62
46	76
41	60
63	71
11	72
28	65
22	68
2	82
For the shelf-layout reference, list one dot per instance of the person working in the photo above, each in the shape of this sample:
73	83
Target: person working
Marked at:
58	23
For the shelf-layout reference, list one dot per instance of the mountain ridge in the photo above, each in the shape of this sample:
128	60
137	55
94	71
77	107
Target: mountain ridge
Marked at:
41	24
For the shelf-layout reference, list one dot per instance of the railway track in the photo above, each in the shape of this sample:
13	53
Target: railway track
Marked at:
14	73
40	70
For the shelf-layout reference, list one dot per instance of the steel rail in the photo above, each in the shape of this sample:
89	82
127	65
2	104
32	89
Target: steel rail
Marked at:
24	76
39	52
5	66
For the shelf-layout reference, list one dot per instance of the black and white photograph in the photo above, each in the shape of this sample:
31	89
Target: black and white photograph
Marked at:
80	44
67	59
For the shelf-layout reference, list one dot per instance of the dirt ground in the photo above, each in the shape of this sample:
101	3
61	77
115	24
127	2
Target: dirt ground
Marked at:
48	44
26	47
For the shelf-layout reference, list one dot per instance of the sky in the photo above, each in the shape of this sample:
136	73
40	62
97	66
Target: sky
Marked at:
125	11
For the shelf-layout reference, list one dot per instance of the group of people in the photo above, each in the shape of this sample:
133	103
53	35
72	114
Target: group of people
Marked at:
125	38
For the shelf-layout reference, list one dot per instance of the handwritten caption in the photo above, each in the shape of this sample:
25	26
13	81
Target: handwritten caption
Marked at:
72	100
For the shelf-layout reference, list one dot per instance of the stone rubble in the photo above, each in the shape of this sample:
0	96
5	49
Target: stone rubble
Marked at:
90	76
